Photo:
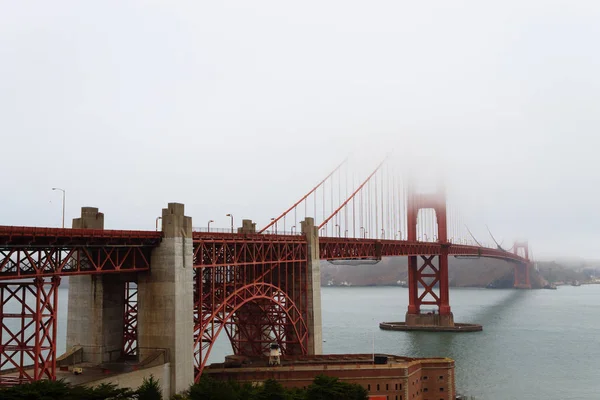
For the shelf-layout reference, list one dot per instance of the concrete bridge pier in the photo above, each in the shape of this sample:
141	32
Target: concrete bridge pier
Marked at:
313	286
96	306
166	300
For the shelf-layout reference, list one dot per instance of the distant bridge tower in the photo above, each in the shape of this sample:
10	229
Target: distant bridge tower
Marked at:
427	271
522	270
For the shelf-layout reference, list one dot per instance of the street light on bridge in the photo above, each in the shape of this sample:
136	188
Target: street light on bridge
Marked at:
209	221
157	219
230	216
64	193
362	233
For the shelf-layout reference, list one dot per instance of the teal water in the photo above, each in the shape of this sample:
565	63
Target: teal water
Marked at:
535	344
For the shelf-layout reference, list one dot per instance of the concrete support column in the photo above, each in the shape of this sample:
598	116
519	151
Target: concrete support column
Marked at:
247	226
313	286
166	299
96	306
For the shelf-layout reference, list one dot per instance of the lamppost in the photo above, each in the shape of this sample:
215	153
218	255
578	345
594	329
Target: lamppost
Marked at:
339	230
426	238
63	204
157	218
273	219
209	221
230	216
362	232
293	229
382	233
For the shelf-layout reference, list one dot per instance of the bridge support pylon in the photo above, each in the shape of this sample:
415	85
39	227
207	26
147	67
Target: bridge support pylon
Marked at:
428	306
428	283
166	300
522	280
313	287
96	306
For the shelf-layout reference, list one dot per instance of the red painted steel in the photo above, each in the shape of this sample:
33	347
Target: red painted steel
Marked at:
521	272
25	235
253	287
28	330
29	251
130	314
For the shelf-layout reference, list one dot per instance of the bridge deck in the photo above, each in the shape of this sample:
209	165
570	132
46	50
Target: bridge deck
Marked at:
35	251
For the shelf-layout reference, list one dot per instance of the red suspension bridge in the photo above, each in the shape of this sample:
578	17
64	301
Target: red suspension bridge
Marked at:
144	291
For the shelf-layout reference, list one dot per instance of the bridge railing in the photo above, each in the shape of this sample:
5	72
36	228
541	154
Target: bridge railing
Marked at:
228	230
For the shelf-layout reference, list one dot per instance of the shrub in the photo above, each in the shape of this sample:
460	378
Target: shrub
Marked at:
150	389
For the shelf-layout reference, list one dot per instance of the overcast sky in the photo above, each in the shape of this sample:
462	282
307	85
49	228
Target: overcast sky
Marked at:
242	106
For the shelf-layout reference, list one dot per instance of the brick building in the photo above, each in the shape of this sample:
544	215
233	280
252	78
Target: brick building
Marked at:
393	377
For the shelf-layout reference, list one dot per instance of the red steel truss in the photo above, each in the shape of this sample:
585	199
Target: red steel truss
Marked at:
331	248
28	330
130	342
255	288
28	252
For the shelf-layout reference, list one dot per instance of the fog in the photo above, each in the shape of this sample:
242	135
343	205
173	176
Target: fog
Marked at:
241	107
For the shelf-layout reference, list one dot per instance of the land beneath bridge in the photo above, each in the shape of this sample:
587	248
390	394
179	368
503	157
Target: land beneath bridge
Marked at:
481	272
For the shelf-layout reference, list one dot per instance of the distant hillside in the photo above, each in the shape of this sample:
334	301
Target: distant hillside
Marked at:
558	272
462	273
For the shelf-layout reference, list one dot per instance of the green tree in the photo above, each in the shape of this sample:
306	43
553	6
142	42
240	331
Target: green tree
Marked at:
211	389
60	390
272	390
150	389
328	388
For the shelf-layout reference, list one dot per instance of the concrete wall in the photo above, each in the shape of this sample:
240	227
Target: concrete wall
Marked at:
166	299
315	325
96	306
134	379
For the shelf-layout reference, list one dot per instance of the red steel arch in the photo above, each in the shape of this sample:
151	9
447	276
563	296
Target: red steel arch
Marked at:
254	287
224	316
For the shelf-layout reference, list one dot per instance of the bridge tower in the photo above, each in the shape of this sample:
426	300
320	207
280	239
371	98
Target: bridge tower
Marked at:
427	271
522	269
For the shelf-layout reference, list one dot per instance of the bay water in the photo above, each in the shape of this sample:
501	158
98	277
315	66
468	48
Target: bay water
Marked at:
535	344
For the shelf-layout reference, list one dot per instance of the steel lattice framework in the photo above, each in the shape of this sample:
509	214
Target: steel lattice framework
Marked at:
28	330
30	252
255	288
130	314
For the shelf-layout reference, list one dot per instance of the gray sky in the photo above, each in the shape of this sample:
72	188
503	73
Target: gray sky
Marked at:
241	106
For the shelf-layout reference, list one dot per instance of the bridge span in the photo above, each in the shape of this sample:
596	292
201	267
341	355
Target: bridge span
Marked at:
135	293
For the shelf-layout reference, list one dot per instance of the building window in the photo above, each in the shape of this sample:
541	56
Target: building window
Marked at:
396	386
400	388
387	387
378	387
441	389
369	387
441	377
425	390
425	377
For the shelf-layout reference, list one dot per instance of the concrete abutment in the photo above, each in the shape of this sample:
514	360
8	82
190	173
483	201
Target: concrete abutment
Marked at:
96	306
166	299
